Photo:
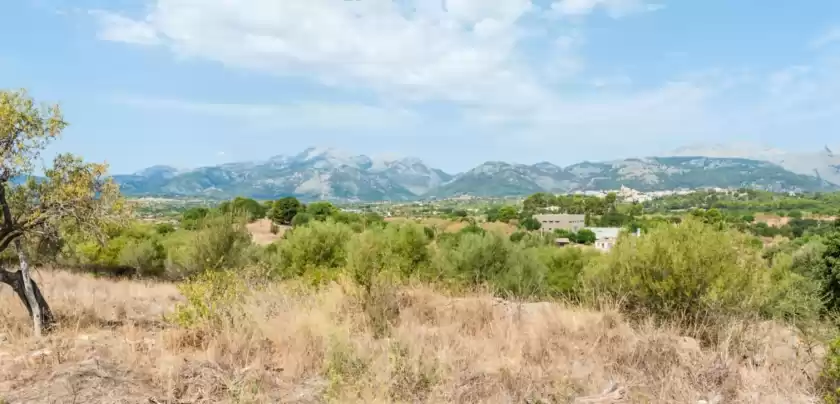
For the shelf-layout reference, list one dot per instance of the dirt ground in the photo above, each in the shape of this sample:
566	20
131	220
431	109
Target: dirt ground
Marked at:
261	232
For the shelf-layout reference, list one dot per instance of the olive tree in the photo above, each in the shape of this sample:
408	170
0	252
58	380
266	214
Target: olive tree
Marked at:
69	193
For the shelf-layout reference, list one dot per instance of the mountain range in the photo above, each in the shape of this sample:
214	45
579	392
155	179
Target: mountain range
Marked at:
329	174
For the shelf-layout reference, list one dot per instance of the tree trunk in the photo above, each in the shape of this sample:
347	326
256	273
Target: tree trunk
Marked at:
42	316
21	281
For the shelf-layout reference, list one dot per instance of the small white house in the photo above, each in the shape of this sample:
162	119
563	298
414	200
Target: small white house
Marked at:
606	237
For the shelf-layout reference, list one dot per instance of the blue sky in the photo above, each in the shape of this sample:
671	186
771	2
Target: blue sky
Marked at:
454	82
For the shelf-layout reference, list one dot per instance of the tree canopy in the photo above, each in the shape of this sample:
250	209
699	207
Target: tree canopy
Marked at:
70	193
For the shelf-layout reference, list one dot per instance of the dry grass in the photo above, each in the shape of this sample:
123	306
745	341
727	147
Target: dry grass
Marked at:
291	345
261	234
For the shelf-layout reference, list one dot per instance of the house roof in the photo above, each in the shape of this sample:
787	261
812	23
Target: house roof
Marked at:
605	232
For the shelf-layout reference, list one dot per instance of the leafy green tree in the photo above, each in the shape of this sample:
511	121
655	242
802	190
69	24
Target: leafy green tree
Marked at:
247	206
531	224
538	201
585	236
507	213
71	193
191	218
285	209
321	210
610	200
493	214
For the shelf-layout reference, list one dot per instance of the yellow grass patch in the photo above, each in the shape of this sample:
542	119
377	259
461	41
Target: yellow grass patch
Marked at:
288	345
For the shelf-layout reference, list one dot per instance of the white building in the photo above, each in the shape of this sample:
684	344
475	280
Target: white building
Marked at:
606	237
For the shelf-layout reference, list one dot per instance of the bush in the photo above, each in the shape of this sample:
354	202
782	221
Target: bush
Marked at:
370	259
830	375
211	297
563	269
692	272
408	245
473	259
318	245
220	243
148	257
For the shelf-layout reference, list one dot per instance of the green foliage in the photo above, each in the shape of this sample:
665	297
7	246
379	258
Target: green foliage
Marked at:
164	228
504	214
284	210
318	245
321	211
247	207
211	298
830	374
585	236
530	224
475	259
191	218
694	272
147	257
831	271
220	243
516	237
301	219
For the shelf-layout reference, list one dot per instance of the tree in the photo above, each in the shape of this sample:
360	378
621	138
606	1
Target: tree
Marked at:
610	201
585	236
507	213
191	218
285	209
529	223
539	200
71	193
321	210
250	207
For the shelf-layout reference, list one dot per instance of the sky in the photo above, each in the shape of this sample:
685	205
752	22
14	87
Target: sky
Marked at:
191	83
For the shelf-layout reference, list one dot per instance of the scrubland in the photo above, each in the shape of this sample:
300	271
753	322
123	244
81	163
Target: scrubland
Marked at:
289	343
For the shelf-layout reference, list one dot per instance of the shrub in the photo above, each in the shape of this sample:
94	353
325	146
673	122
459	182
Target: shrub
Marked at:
164	228
830	375
147	257
408	245
563	268
691	271
301	219
220	243
370	257
789	295
316	245
474	259
211	297
517	236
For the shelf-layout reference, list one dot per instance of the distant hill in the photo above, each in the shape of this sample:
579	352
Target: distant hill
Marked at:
334	175
824	163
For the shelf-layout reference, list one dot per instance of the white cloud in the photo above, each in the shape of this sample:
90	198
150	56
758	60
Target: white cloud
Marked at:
468	54
114	27
615	8
295	115
463	53
829	37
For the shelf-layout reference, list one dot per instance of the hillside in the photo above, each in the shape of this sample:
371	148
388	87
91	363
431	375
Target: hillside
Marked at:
824	163
333	175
